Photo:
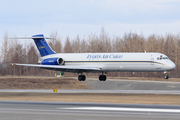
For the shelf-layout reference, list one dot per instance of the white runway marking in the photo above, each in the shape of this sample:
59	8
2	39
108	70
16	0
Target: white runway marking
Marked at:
127	109
34	110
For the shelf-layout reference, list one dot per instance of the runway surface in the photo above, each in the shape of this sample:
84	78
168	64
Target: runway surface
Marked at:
117	86
169	92
88	111
122	84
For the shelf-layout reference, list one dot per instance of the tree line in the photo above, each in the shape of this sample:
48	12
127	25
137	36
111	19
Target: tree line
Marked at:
16	52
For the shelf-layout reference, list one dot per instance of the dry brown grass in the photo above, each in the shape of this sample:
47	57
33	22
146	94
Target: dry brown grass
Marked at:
31	82
98	98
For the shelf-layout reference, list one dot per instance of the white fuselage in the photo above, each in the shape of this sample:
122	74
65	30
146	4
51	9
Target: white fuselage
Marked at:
111	62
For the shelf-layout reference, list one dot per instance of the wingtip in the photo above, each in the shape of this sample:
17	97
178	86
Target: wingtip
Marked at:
12	64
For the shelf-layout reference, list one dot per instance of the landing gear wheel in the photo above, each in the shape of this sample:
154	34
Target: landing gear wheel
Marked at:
81	77
102	78
166	77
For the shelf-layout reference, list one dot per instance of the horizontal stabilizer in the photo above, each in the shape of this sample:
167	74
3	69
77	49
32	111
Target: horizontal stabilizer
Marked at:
31	38
41	44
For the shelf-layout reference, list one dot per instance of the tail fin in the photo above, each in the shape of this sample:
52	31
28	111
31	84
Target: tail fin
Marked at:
42	45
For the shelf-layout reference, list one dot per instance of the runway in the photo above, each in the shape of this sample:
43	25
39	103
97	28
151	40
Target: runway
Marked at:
62	110
121	84
166	92
27	110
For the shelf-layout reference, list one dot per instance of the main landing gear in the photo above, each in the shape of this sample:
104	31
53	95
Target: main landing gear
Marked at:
102	77
81	77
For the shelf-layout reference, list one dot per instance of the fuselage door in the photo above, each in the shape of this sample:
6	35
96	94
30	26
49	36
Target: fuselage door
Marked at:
152	61
158	63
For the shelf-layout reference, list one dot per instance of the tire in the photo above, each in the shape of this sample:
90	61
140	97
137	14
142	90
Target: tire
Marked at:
104	78
166	77
100	78
79	77
83	78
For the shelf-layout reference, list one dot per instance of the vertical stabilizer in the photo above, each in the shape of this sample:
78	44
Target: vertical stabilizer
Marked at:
42	46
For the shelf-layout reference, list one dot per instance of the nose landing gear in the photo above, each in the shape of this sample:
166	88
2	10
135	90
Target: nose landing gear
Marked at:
166	75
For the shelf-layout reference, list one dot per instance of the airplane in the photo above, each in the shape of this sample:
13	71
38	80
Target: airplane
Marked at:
98	62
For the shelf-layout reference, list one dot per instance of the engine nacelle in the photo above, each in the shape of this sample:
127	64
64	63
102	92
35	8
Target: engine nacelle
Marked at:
53	61
61	61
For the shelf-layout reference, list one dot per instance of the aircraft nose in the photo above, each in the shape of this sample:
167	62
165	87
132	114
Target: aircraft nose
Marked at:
172	66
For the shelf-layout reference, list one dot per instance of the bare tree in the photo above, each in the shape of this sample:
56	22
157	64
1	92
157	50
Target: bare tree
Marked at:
76	45
68	46
5	47
104	41
93	43
55	42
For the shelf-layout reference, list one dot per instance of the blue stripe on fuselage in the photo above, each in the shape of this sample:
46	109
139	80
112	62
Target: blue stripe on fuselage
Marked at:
117	61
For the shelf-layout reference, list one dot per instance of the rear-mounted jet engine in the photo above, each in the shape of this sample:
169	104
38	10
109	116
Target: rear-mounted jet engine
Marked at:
53	61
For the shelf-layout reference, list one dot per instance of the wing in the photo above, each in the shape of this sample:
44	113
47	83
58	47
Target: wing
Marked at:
75	69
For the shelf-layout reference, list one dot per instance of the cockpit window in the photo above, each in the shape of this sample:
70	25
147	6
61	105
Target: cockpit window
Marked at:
160	58
165	58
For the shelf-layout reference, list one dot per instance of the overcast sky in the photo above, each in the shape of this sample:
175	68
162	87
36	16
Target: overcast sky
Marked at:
83	17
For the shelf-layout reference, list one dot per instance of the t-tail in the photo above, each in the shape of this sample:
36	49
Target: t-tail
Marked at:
42	46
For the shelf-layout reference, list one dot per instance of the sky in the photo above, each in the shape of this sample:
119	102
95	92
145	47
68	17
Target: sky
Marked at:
24	18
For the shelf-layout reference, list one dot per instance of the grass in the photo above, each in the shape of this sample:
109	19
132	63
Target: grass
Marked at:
30	82
96	98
